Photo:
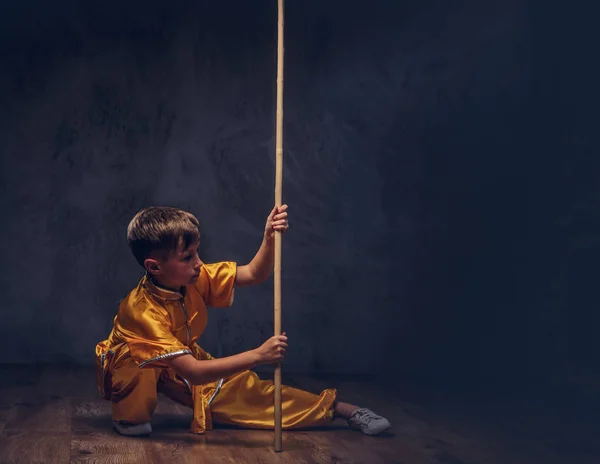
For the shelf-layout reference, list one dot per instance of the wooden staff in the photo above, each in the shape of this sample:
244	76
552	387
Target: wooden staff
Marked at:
278	202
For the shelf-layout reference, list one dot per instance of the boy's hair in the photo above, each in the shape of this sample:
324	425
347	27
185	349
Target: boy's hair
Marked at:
162	229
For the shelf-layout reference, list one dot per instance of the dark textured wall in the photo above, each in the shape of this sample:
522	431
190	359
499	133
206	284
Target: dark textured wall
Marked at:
429	235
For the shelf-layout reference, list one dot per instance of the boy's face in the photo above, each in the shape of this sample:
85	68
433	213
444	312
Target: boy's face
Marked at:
180	268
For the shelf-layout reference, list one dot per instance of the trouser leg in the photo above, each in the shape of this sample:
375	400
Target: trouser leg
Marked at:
247	401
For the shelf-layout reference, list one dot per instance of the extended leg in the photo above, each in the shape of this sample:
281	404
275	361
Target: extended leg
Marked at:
247	401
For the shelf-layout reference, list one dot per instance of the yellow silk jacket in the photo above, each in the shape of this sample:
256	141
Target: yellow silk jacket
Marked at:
153	324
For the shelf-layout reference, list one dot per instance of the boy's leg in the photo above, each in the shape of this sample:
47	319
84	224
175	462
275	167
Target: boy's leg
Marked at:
247	401
133	393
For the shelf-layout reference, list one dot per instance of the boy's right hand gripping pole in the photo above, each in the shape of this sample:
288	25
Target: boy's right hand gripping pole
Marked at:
278	202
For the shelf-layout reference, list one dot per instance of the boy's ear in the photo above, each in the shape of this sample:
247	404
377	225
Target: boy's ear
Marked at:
152	266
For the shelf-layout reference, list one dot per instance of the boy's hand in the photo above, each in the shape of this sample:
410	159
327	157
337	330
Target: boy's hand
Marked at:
277	221
272	351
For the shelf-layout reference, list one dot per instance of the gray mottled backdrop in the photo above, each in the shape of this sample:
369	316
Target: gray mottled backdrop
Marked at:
423	163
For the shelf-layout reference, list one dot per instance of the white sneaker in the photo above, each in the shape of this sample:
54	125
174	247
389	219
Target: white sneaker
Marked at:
133	430
368	422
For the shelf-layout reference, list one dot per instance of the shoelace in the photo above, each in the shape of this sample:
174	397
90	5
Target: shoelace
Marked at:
366	416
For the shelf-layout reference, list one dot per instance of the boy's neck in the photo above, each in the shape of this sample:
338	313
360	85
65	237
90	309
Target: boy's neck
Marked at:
157	283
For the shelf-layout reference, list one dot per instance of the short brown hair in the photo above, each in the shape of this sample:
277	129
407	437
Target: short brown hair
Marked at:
161	228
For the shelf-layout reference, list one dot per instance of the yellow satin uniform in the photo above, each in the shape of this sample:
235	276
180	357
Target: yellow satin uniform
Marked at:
153	324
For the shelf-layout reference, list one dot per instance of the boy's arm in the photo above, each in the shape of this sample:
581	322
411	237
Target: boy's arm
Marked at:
259	269
199	372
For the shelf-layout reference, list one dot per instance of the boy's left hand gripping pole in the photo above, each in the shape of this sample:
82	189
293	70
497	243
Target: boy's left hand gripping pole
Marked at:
278	202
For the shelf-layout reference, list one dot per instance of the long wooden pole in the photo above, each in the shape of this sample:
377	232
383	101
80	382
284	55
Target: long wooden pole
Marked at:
278	202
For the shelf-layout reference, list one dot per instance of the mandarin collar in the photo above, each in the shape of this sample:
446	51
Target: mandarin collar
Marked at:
160	292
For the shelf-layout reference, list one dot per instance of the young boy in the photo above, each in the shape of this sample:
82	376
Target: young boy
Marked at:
152	346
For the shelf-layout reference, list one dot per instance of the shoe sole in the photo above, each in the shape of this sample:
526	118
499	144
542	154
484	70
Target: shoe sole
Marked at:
376	431
127	433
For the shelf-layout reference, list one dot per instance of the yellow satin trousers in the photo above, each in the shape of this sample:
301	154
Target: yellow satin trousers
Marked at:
243	399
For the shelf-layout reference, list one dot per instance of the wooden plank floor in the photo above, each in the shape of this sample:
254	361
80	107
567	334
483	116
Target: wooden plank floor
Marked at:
52	414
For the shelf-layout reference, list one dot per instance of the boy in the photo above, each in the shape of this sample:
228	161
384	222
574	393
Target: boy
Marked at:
152	348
